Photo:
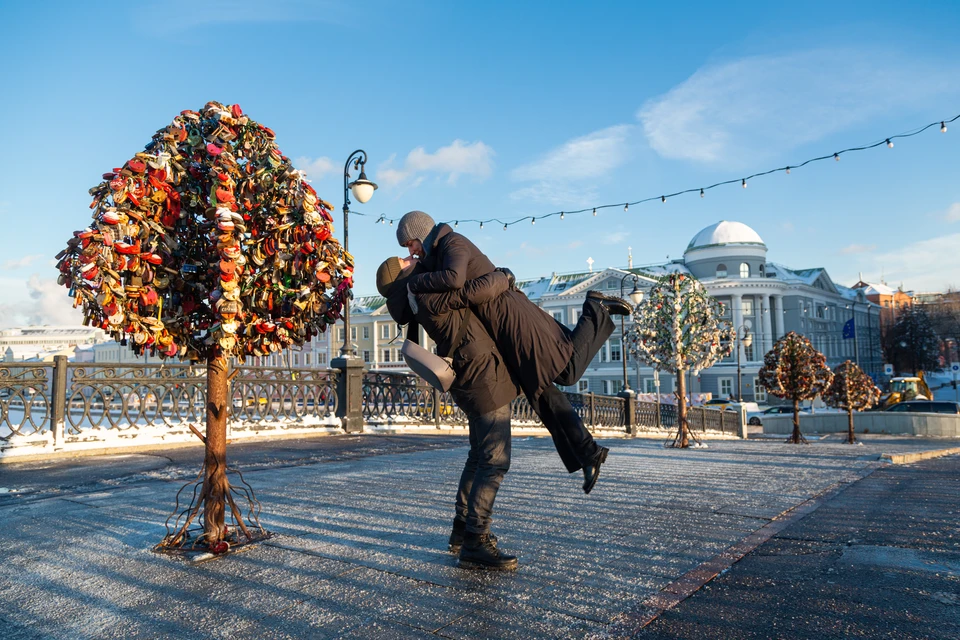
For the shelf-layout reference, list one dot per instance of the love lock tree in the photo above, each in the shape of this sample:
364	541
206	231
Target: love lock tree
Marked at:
679	328
851	390
209	245
795	371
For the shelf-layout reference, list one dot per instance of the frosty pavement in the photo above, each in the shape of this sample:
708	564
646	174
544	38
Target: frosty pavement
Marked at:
360	550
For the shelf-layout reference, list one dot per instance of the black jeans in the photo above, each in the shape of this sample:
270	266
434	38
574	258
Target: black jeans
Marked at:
487	463
592	330
574	443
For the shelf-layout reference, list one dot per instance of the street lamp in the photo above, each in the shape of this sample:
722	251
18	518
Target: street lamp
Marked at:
746	339
636	296
362	190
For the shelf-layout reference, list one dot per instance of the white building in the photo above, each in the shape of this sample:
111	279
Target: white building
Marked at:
38	342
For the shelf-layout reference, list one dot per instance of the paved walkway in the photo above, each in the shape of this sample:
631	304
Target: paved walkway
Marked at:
360	545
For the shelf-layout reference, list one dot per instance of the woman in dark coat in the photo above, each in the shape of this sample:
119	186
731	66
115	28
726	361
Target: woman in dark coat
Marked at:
538	350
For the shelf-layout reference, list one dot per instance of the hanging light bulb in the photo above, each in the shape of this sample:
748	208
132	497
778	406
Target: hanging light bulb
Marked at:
504	226
561	215
943	127
594	212
836	157
481	225
701	193
391	223
889	144
533	221
788	170
663	198
743	183
456	223
626	206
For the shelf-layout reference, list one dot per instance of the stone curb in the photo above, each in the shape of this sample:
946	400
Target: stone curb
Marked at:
631	623
907	458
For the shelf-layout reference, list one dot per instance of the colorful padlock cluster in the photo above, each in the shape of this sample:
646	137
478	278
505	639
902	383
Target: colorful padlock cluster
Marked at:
208	243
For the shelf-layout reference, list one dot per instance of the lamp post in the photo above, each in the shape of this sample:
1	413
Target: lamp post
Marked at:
745	338
636	296
362	190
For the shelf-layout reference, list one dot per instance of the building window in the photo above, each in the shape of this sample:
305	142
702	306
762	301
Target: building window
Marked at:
649	386
557	315
721	270
386	355
744	270
614	352
583	386
759	392
353	333
611	284
747	306
366	333
296	360
726	387
321	358
820	312
761	270
340	334
611	387
306	359
604	351
574	316
385	331
366	356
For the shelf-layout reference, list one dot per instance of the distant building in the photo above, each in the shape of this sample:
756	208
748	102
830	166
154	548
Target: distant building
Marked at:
37	342
890	300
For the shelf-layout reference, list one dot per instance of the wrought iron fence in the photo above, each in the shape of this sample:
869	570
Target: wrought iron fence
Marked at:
67	398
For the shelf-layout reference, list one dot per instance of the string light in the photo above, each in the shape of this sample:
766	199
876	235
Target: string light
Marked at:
533	221
702	190
456	224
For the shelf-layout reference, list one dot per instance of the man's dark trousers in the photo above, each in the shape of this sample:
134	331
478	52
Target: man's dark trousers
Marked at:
487	463
592	330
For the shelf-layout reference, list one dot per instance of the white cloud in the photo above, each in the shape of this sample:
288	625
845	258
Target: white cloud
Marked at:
315	168
787	226
953	213
754	107
567	174
857	248
925	265
615	237
458	158
20	263
45	302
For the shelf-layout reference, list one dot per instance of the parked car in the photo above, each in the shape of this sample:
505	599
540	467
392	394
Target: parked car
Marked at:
925	406
756	419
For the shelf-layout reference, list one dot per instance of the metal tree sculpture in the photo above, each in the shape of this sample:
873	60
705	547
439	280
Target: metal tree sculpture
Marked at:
851	390
795	371
208	245
679	328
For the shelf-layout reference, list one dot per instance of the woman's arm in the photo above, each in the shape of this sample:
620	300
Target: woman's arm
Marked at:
473	293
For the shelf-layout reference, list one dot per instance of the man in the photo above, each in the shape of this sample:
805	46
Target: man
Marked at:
483	389
538	350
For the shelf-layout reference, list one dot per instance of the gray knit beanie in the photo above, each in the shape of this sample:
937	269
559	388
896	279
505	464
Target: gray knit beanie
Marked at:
415	225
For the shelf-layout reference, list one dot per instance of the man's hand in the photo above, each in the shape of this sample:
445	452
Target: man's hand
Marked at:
511	279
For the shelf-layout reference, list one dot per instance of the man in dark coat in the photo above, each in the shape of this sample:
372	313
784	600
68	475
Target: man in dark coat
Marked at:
483	389
538	350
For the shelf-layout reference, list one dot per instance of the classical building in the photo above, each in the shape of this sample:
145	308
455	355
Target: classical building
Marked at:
43	342
889	300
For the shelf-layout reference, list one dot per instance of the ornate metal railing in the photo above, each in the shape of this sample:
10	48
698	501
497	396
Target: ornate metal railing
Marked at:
24	400
66	399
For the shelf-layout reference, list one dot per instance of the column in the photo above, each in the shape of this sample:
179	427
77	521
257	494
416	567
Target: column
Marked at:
778	311
736	301
767	331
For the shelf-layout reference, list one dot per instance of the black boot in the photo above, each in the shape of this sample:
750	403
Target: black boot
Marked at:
480	551
456	535
592	471
614	306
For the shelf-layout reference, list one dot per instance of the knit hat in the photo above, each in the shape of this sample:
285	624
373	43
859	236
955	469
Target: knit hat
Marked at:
415	225
387	274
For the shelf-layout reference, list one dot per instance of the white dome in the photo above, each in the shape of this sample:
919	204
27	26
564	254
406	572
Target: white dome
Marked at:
725	233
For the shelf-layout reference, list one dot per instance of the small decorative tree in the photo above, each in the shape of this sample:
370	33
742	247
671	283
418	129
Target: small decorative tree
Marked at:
851	390
795	371
208	245
677	329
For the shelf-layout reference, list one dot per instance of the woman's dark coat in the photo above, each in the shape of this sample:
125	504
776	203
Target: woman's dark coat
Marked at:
534	345
483	383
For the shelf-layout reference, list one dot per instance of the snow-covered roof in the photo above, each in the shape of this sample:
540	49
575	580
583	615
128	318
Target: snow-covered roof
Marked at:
878	289
725	232
366	304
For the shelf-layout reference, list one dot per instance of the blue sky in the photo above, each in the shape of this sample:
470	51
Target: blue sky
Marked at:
501	109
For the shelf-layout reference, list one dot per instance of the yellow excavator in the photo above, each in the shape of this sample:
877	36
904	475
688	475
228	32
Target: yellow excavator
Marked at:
903	388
